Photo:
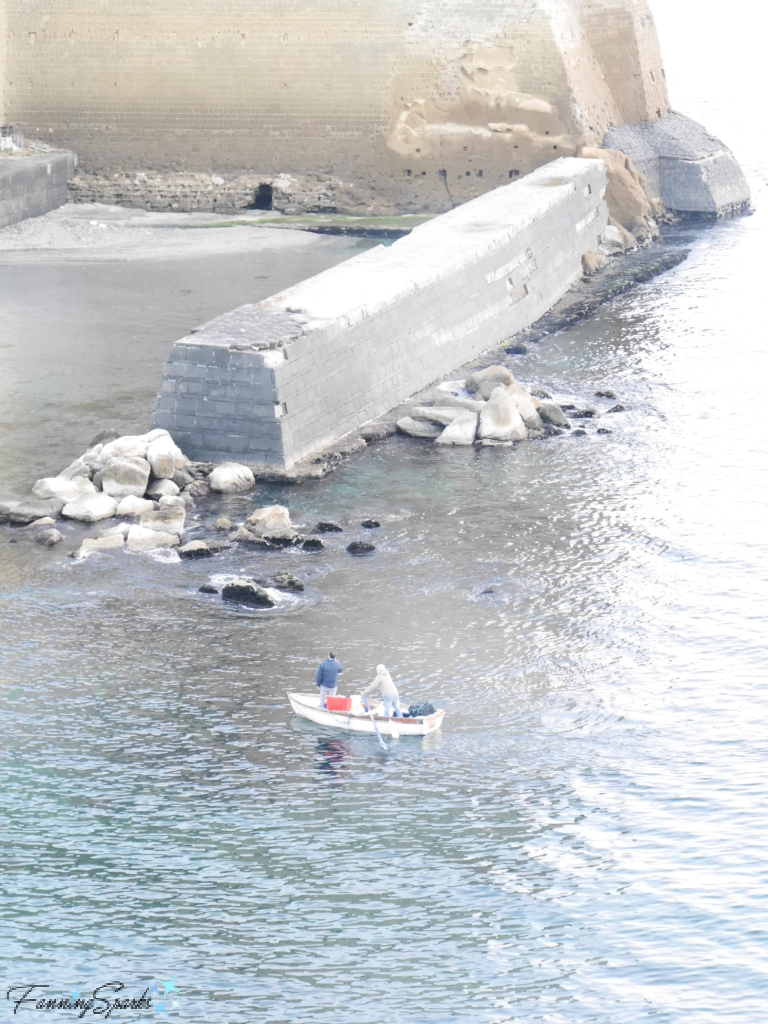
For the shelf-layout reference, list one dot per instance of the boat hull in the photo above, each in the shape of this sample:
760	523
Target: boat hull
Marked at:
307	705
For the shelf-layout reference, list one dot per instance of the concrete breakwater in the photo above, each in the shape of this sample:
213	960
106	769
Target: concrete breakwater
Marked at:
273	383
33	185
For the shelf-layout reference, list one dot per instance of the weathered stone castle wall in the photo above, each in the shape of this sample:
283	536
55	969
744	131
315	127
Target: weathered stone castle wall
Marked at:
275	382
407	104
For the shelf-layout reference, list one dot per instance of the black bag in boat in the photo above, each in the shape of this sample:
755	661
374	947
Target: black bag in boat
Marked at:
420	710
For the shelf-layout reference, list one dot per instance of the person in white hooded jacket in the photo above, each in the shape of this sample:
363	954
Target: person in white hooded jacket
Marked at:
383	682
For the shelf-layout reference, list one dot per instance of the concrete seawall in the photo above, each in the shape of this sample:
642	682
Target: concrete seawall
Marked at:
274	383
33	185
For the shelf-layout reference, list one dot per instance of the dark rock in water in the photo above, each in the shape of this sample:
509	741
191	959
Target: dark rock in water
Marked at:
551	431
488	590
313	544
568	408
579	433
329	528
247	591
104	437
359	547
604	430
540	393
280	542
48	538
370	524
285	581
14	540
554	415
584	414
605	394
617	408
195	549
27	511
517	350
208	588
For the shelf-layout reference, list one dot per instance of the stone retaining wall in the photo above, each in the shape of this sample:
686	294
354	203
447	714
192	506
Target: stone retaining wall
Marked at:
31	185
276	382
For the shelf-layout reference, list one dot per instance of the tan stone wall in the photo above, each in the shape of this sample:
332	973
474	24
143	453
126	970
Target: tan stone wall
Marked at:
412	104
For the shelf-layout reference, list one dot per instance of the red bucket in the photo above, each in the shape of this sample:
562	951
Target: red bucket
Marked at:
339	703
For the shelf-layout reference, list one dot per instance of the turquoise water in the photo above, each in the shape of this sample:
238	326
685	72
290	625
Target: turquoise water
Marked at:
583	841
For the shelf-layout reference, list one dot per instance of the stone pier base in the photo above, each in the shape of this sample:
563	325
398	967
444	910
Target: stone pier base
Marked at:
32	185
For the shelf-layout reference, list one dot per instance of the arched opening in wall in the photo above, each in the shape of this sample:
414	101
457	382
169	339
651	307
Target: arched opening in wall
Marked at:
262	200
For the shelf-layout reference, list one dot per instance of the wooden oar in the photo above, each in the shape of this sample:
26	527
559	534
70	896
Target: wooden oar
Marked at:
376	728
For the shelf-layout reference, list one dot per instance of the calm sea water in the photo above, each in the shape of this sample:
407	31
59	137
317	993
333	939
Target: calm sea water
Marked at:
585	839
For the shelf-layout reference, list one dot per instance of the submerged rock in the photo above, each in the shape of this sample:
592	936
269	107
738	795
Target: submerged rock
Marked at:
616	408
327	527
418	428
605	394
247	591
581	432
166	520
360	547
104	437
584	414
208	588
313	544
195	549
370	524
230	478
462	431
285	581
91	508
37	524
111	542
604	430
142	539
222	524
500	420
48	538
25	512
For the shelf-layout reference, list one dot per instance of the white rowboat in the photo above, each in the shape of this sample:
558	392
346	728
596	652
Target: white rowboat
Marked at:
357	720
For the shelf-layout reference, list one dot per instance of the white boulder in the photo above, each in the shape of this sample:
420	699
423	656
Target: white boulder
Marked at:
271	523
109	542
79	468
130	446
463	430
132	505
436	414
65	489
418	428
162	488
172	501
90	508
125	475
454	402
166	520
493	374
230	477
142	539
165	457
121	530
500	420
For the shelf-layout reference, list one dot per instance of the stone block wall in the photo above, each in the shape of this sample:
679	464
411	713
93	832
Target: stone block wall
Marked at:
685	166
32	185
276	382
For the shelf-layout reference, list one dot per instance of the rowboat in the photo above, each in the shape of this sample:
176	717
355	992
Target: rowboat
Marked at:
357	720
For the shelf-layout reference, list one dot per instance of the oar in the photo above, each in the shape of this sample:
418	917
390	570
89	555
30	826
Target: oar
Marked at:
376	728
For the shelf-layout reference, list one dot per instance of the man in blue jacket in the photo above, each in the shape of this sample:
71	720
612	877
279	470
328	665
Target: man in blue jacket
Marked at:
327	674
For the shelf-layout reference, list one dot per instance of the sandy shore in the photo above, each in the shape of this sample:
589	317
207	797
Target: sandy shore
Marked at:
94	232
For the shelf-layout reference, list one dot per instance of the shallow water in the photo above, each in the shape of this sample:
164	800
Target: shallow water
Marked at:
585	839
